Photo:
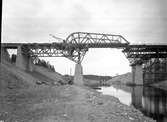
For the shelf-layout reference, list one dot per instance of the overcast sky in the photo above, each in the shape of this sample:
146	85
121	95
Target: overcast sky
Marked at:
139	21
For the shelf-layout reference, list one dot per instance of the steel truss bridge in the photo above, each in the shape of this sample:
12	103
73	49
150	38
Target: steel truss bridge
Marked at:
75	46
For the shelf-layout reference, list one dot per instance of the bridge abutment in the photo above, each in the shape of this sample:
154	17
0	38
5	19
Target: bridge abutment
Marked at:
78	76
23	61
137	74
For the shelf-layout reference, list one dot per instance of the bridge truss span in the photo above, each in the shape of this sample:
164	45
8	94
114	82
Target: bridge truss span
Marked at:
80	42
96	40
73	47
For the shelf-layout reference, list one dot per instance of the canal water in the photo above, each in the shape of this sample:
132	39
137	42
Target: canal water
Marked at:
152	102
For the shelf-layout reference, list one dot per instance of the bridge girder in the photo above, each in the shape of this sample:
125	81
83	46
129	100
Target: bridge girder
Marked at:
50	51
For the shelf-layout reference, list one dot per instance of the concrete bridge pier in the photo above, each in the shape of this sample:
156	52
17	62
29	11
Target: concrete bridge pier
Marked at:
137	74
78	76
23	61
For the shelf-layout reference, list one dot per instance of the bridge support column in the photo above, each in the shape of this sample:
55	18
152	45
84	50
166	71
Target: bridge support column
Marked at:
78	76
4	54
23	61
137	74
30	65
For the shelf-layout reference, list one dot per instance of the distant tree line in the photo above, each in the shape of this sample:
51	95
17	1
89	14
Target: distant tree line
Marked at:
45	64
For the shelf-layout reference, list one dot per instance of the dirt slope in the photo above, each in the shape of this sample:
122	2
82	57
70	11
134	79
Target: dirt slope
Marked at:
10	74
54	76
10	80
14	78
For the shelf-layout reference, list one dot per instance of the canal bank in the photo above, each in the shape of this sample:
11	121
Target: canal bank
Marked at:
151	101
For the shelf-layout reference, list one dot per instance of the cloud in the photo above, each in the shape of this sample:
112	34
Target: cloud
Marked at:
34	19
28	20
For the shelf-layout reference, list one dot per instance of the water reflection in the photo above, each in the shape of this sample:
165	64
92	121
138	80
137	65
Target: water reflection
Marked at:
137	95
123	96
154	103
151	101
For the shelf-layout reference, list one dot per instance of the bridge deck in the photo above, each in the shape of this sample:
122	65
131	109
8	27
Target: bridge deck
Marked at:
59	45
128	48
132	51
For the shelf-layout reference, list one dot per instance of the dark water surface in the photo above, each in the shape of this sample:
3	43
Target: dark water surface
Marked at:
152	102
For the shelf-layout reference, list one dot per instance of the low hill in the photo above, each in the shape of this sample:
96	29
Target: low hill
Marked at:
95	80
121	79
97	77
92	83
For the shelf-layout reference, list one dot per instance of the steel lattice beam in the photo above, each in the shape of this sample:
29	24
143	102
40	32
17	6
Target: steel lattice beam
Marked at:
81	41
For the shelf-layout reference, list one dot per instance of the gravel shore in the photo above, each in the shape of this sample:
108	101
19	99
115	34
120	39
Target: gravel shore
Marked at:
68	103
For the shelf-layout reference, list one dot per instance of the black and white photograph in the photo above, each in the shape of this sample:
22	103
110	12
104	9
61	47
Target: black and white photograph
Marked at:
83	61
